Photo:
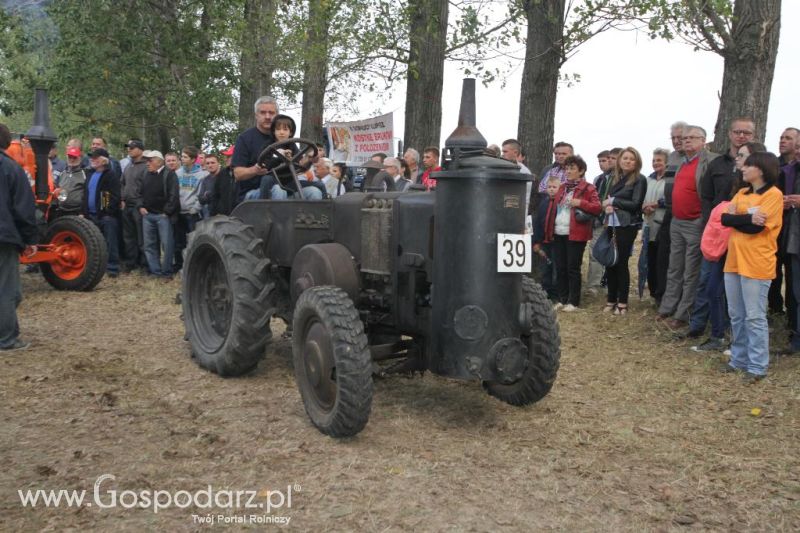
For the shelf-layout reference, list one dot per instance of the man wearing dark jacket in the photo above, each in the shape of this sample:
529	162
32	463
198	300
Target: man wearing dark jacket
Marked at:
158	204
223	194
17	232
789	182
132	176
715	187
205	193
101	202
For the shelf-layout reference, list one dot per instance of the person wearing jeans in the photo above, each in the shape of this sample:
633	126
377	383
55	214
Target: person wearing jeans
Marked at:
747	303
716	186
158	242
101	204
756	216
623	209
159	202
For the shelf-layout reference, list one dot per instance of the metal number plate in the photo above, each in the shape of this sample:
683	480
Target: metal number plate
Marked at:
514	252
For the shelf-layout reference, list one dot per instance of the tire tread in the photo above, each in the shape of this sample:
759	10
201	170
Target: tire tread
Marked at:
333	307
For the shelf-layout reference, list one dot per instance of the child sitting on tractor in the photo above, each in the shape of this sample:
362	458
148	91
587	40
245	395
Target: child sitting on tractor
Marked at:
278	185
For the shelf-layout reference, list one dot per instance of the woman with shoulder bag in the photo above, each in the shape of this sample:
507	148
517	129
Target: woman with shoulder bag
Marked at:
568	225
623	209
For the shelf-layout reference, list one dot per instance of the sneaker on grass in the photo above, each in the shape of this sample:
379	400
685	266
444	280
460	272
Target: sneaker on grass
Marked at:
18	345
712	344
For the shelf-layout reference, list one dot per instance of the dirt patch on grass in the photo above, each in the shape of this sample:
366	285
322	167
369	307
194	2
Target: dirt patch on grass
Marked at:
638	433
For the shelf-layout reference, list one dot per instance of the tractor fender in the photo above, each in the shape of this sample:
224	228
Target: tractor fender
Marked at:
316	265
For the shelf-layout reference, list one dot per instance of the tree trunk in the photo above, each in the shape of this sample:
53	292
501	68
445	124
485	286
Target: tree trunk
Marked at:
749	67
256	64
315	69
428	37
543	58
163	140
187	137
164	118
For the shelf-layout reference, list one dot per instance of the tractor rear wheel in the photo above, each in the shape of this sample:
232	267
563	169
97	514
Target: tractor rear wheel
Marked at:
544	348
82	254
226	296
332	364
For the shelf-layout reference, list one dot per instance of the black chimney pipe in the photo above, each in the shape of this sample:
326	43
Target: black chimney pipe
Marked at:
42	139
466	135
466	140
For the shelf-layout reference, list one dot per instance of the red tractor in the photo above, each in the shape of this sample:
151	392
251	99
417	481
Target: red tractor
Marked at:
72	252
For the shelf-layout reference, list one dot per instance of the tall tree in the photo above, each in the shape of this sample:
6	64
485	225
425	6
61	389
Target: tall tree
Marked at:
258	43
544	54
426	54
556	29
315	66
745	33
161	73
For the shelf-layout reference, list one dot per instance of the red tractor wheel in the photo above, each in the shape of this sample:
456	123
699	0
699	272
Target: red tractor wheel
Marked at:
82	254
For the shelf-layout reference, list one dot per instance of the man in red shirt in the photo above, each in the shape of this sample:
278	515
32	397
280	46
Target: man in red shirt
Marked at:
429	159
685	231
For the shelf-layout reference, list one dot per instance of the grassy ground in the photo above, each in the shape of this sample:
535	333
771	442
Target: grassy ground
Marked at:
638	433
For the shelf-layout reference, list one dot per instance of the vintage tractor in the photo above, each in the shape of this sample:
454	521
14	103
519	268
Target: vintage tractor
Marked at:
72	252
379	283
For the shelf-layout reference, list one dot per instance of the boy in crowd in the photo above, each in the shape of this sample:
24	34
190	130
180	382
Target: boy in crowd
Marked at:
545	249
190	176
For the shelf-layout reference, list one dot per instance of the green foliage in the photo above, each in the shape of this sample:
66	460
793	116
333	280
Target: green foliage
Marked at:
704	24
121	69
26	43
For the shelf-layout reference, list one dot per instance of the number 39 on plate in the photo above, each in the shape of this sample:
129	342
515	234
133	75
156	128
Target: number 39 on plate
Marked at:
514	252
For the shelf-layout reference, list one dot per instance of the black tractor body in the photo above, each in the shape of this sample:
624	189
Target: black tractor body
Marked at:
378	283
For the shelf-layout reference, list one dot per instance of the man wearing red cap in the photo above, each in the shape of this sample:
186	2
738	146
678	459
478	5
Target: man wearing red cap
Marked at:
72	183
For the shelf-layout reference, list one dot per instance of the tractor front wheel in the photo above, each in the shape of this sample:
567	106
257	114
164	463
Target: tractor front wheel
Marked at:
226	296
82	254
332	364
544	349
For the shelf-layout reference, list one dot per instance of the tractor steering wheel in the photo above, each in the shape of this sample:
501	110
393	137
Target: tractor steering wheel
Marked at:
294	163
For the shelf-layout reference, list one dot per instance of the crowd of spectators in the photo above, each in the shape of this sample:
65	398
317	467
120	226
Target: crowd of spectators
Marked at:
147	203
693	276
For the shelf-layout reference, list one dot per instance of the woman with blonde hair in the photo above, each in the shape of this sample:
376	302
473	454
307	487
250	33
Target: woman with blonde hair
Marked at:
623	208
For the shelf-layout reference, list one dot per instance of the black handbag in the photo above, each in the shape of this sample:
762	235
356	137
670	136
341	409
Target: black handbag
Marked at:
582	216
605	249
